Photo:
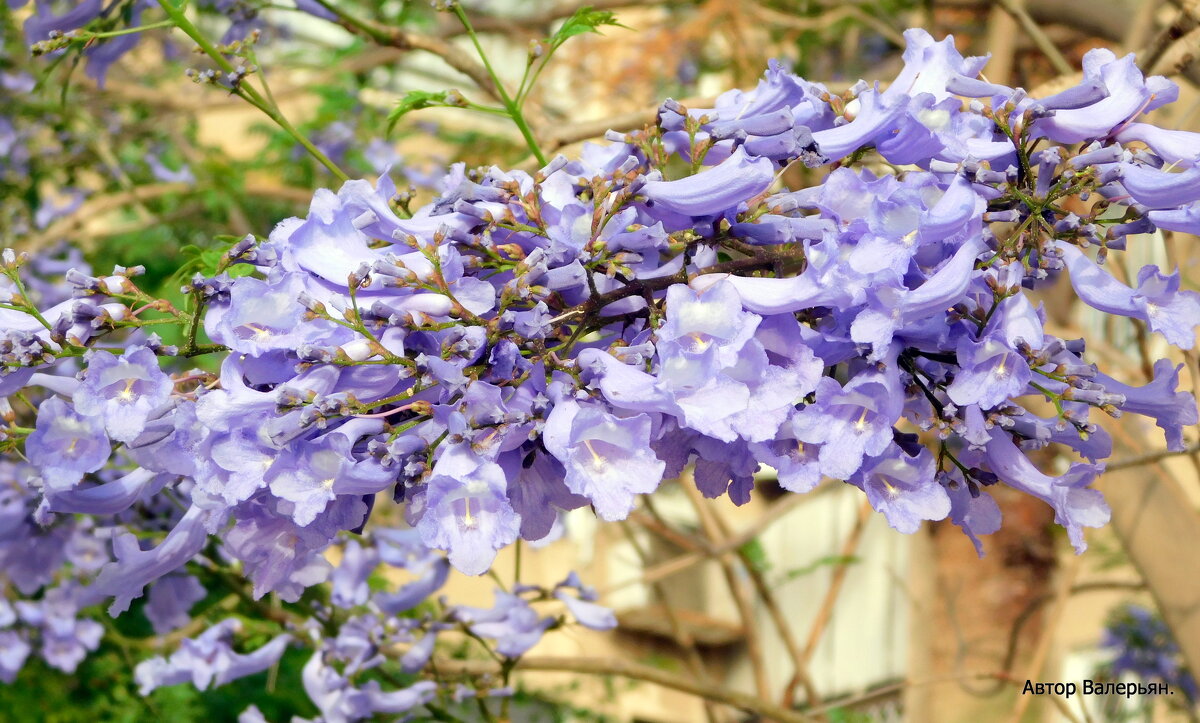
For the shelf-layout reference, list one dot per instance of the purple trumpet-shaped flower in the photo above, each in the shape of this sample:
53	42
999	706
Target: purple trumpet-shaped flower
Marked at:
123	391
1155	189
991	373
66	640
707	324
209	660
1177	148
280	556
929	65
349	578
893	308
608	459
429	568
1172	410
321	470
538	492
1125	94
714	191
14	650
171	599
40	25
875	114
582	604
1158	300
849	423
467	512
415	658
977	514
135	568
108	498
511	622
903	488
1185	219
263	316
66	444
796	464
340	702
1075	504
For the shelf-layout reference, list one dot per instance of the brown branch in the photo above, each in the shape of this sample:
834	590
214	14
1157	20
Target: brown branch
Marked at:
106	203
828	18
851	702
1014	633
638	287
654	524
95	206
634	671
1150	509
583	130
1140	26
567	133
539	23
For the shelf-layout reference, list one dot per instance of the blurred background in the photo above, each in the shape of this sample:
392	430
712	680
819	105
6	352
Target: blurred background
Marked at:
806	599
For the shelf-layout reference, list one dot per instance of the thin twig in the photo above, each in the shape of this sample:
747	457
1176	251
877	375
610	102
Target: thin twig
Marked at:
1038	36
678	564
1140	26
635	671
850	703
682	637
825	613
1150	457
95	206
782	625
403	40
828	18
98	205
1184	23
1014	632
737	590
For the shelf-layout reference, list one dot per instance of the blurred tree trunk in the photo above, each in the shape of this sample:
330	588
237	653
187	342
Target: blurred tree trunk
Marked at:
965	609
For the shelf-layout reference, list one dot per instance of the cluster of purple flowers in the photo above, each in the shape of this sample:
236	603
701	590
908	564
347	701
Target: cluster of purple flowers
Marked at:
532	343
1144	648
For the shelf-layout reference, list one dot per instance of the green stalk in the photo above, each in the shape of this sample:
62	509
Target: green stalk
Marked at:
514	110
180	20
131	31
32	310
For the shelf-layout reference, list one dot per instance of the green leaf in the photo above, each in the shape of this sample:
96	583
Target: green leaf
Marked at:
585	20
756	555
415	100
207	261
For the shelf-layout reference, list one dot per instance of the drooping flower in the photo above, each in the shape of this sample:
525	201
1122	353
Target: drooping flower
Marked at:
123	391
66	444
467	512
903	488
607	459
